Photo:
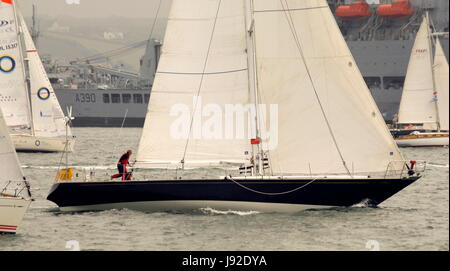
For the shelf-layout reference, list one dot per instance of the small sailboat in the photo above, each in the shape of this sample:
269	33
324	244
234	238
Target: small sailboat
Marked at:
423	114
27	98
238	82
15	197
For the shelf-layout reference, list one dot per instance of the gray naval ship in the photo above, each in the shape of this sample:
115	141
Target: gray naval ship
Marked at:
380	35
104	96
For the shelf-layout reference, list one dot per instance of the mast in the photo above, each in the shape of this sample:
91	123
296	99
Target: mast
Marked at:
25	65
253	84
34	28
429	35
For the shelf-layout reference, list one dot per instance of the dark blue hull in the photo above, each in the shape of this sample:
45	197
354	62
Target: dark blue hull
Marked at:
323	192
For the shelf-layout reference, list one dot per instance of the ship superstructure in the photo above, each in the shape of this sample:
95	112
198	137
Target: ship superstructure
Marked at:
101	95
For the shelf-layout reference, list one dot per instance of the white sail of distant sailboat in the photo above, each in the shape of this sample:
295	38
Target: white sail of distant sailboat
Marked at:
424	103
11	170
48	117
328	121
15	196
441	79
417	105
36	101
13	94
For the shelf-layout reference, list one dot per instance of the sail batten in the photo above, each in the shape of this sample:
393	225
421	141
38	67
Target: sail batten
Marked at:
203	73
290	9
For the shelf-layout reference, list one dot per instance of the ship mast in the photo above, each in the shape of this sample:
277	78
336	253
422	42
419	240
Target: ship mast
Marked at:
25	66
34	29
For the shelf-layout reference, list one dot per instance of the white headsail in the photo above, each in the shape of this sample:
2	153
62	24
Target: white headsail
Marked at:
418	104
441	79
48	118
13	91
327	120
11	177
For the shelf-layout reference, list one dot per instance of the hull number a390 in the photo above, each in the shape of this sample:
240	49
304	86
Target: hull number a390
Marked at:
85	98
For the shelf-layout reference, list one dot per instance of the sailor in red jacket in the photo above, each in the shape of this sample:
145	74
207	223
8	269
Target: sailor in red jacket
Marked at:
122	166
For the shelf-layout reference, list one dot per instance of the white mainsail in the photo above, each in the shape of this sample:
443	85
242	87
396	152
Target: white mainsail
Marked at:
48	117
13	91
441	79
327	120
12	177
203	68
418	103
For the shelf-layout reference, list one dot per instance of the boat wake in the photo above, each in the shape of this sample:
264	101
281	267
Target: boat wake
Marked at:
438	165
211	211
365	203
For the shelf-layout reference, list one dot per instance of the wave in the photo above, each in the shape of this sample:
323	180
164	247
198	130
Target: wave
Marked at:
229	212
365	203
437	165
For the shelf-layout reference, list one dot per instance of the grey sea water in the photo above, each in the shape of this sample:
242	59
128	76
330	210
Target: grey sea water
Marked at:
415	219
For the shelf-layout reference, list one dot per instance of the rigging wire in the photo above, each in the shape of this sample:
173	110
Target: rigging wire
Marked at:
120	131
201	82
270	194
113	53
149	39
155	21
125	49
300	49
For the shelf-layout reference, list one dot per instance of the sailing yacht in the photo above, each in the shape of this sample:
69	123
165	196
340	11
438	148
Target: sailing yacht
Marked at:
423	113
27	98
15	197
237	83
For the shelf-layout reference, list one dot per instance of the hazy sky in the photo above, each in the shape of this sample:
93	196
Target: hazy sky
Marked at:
96	8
